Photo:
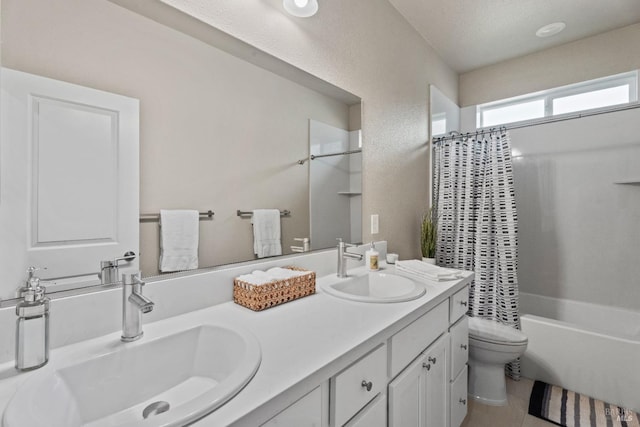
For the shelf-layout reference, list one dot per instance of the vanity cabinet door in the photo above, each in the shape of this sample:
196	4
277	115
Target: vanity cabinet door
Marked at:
407	396
419	396
437	383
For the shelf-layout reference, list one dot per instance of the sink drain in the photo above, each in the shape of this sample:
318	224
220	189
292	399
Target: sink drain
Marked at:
156	408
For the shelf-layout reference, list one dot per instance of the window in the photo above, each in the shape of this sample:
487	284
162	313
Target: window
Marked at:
593	94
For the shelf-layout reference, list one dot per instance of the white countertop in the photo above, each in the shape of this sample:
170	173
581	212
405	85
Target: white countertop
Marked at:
303	343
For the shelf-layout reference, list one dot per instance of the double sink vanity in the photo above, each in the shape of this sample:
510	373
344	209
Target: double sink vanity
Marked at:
371	349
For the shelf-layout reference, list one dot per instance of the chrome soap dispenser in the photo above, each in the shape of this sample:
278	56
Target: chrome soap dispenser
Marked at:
32	325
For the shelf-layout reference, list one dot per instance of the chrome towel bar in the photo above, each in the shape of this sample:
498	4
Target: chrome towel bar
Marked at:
156	217
285	212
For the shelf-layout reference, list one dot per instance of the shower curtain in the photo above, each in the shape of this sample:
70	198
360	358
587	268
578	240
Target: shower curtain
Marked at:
474	200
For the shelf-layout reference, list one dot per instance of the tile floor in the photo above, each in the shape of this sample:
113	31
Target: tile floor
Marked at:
513	415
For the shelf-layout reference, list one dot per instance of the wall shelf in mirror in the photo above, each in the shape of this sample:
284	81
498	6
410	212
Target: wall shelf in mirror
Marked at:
350	193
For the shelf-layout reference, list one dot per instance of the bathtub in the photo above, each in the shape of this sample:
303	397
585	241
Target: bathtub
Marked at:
588	348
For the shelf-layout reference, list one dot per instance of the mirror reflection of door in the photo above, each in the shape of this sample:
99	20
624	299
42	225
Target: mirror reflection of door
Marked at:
69	179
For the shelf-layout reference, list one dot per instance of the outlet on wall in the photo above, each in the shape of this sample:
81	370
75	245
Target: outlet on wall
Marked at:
374	224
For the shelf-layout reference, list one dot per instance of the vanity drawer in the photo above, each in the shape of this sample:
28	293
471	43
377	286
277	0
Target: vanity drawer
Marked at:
459	304
459	399
349	391
408	343
459	346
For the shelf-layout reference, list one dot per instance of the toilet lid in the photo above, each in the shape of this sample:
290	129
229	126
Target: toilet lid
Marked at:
492	331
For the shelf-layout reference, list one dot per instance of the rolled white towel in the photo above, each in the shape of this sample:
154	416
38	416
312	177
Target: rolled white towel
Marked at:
255	279
261	275
427	271
280	273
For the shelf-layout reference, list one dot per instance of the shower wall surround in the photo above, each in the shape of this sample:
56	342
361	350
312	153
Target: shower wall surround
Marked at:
579	230
579	226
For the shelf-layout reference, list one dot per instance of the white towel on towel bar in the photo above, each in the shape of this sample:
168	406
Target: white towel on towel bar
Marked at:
179	230
266	232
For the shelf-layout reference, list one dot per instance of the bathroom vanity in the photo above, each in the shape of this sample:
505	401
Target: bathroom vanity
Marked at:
325	361
418	373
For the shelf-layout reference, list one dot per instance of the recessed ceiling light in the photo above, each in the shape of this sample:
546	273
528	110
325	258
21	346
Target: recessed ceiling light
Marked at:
551	29
301	8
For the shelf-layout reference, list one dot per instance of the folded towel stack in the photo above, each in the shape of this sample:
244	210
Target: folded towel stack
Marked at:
259	277
427	271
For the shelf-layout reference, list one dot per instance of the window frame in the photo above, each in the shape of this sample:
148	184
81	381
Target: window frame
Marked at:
548	96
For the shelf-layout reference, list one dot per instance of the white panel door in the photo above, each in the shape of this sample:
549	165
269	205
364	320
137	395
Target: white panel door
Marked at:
69	191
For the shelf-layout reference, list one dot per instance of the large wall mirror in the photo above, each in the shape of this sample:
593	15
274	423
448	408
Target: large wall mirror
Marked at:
222	127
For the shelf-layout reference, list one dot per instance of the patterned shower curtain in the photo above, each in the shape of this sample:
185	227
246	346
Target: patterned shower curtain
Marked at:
475	205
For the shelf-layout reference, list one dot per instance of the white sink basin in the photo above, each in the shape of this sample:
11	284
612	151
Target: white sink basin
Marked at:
195	371
375	287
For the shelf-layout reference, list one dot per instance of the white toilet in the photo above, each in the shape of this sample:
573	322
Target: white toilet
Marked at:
491	345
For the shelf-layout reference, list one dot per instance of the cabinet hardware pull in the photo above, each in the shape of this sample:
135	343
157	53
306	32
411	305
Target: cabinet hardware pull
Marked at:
426	365
432	359
367	385
463	346
463	401
463	303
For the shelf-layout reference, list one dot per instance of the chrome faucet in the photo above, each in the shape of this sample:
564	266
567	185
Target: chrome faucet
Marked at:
134	304
109	269
342	255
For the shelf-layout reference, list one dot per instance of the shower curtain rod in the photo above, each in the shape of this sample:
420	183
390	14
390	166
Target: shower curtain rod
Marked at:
317	156
455	134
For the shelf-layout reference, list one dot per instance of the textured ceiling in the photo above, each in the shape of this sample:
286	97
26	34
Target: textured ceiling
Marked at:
470	34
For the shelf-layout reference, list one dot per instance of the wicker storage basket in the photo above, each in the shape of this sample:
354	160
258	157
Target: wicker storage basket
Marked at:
260	297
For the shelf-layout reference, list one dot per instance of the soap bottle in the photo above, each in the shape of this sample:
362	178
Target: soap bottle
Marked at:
372	257
32	325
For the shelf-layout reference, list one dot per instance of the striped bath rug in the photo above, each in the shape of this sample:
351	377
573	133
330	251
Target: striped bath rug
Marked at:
567	408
